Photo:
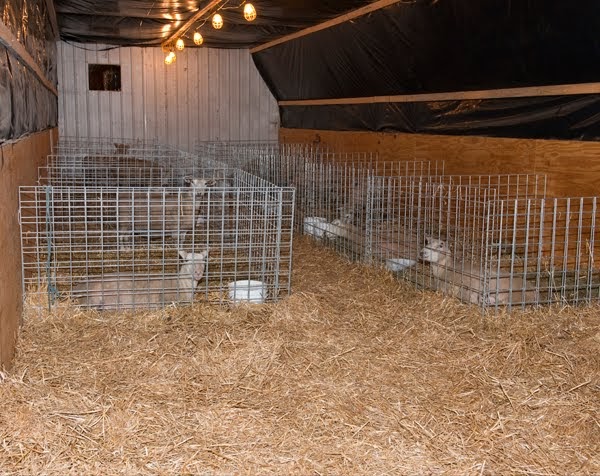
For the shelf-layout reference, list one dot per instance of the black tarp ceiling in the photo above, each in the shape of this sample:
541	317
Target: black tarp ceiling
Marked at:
409	47
424	47
150	22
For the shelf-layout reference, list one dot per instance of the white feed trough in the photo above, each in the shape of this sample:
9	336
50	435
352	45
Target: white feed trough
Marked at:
248	291
398	265
315	226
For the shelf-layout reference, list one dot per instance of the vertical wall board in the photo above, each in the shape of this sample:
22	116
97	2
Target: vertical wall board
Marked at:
105	100
136	99
192	109
67	102
181	96
93	101
234	95
208	94
214	104
116	99
80	92
127	110
150	102
162	75
204	93
19	166
224	95
253	94
246	65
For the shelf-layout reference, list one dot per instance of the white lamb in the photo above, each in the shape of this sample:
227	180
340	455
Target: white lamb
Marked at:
118	291
464	280
156	213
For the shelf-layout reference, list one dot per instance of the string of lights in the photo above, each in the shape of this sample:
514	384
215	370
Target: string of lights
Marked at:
249	12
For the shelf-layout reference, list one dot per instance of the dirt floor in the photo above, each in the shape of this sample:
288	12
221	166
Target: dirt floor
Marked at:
354	374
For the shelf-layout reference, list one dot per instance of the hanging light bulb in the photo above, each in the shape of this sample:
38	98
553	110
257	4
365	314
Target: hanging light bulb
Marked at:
198	38
217	21
170	58
249	12
179	44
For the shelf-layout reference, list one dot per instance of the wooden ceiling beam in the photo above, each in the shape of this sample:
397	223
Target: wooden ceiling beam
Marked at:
328	24
193	19
532	91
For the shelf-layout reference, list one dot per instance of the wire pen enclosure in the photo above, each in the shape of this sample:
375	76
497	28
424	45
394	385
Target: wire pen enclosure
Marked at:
128	247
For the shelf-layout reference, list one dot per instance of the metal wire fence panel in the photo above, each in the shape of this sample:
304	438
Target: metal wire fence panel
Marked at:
120	247
489	240
551	243
99	145
145	174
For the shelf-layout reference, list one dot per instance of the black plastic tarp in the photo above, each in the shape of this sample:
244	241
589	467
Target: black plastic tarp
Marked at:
147	22
26	105
560	117
423	47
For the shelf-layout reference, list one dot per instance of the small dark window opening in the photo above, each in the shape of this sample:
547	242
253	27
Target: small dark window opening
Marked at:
104	77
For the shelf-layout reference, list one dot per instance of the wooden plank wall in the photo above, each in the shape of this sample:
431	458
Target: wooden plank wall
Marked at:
207	94
18	166
572	167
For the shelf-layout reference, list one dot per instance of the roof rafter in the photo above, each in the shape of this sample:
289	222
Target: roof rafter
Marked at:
193	19
328	24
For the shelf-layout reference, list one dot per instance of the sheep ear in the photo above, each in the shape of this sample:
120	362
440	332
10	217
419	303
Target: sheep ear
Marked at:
183	254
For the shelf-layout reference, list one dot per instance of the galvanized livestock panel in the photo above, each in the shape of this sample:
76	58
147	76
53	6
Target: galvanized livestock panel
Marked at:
499	252
72	235
338	205
402	208
552	239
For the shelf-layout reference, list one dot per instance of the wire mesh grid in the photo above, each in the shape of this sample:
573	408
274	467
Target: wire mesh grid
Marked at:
124	174
485	249
335	201
119	247
506	243
551	242
100	145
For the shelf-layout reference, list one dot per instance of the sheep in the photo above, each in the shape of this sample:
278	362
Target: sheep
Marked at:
114	291
464	280
342	228
157	213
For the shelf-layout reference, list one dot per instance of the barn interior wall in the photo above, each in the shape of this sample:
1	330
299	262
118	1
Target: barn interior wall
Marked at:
207	94
572	168
18	166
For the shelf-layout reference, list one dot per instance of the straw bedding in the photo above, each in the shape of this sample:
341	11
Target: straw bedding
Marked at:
354	373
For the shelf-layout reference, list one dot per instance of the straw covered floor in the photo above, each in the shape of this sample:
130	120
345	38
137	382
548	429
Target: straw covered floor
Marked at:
355	373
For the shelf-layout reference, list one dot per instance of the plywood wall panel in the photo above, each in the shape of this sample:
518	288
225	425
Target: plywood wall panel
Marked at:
477	155
572	168
19	164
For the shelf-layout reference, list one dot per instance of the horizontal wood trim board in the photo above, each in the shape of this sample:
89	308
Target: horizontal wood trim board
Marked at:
16	48
534	91
328	24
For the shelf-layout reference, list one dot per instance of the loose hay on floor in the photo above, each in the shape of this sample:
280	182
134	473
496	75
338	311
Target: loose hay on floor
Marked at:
355	373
